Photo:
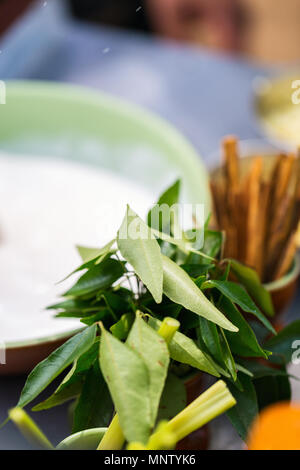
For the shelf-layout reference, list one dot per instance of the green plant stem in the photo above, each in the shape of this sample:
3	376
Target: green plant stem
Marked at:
114	438
29	428
215	401
197	417
168	328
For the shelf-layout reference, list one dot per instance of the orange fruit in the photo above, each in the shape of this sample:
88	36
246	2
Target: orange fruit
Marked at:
276	428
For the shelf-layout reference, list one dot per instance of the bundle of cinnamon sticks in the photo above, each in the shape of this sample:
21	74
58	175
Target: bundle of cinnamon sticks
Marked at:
259	210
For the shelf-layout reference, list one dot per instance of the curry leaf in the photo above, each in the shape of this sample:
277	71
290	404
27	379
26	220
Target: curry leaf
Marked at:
98	277
121	329
170	197
249	278
179	288
127	378
154	352
246	409
47	370
243	343
88	254
227	356
211	339
238	295
141	250
91	256
60	396
217	345
183	349
95	406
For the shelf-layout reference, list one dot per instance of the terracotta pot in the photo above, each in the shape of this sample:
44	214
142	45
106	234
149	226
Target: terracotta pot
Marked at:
198	440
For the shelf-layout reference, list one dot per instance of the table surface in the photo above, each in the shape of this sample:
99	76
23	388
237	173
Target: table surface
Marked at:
206	96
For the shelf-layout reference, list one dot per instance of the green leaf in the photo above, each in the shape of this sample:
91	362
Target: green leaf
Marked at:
227	356
259	370
212	243
238	295
282	344
95	406
196	270
178	287
153	349
173	399
246	409
170	197
211	339
127	378
121	329
73	306
243	369
272	389
103	314
46	371
217	345
249	278
210	248
98	277
71	385
88	254
91	256
119	301
183	349
60	396
243	343
181	243
141	250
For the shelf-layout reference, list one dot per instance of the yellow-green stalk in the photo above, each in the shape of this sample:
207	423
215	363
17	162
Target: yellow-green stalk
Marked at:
114	438
215	401
168	328
196	416
29	428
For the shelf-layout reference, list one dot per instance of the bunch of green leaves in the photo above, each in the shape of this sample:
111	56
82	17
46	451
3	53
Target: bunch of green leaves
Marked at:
128	287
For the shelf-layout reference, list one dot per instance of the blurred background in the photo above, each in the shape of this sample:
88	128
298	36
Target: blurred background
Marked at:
183	59
196	63
262	30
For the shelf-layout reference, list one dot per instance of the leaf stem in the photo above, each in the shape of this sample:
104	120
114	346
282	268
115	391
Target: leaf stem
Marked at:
29	428
168	328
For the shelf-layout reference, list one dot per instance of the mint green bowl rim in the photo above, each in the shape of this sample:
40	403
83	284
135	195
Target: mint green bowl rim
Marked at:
289	277
192	161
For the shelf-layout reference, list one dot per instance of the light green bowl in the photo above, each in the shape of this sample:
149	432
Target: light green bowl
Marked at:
83	440
51	119
75	123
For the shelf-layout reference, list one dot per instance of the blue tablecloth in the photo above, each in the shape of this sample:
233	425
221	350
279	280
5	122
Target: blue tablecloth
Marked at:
204	95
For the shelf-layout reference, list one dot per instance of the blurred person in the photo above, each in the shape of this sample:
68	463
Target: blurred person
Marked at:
264	30
212	23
